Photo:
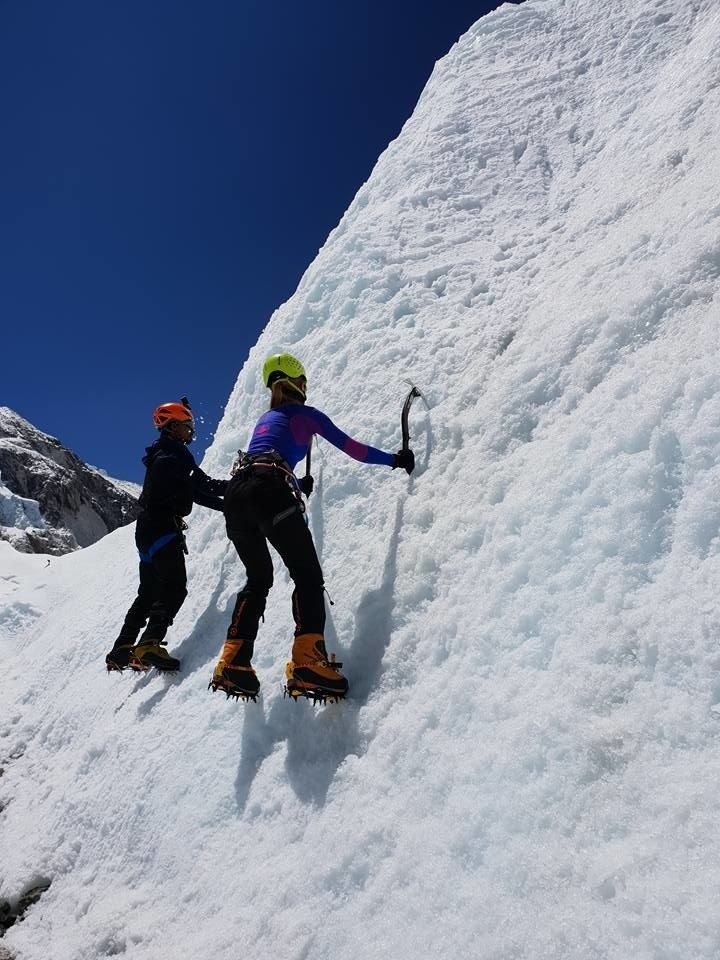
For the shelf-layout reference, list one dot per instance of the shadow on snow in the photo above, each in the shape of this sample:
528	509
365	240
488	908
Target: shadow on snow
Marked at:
320	738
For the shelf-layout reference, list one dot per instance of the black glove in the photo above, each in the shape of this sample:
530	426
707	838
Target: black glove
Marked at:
306	484
406	460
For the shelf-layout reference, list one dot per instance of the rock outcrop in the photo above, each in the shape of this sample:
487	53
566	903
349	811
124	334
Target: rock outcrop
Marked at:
50	500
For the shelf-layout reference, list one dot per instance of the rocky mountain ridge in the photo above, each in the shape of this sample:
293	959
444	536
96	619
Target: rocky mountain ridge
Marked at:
50	500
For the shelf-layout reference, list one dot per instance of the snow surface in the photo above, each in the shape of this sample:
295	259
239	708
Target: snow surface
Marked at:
528	764
127	486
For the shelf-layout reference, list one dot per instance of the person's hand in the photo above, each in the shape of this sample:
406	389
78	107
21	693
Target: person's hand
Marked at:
405	459
306	484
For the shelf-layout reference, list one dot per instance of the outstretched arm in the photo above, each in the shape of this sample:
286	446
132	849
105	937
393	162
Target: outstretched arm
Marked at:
312	421
206	491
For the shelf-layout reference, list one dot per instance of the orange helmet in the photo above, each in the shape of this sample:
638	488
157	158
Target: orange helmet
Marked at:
168	412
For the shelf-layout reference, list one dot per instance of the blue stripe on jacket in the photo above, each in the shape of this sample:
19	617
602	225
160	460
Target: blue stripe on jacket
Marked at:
147	557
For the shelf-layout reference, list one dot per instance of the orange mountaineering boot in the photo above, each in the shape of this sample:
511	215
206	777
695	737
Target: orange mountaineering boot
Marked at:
152	653
311	674
234	673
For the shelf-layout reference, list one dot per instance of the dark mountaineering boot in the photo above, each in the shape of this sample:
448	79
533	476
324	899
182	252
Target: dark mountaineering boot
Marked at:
119	657
234	673
152	653
311	674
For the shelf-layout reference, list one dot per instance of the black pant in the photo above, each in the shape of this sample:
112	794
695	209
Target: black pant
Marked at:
260	508
163	583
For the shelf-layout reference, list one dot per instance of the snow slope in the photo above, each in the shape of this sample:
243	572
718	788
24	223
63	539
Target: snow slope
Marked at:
528	765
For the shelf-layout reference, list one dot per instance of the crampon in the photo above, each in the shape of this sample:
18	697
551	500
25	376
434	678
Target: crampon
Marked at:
137	665
295	688
114	668
231	690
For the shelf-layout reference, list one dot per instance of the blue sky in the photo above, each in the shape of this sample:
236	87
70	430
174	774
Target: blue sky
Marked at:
168	171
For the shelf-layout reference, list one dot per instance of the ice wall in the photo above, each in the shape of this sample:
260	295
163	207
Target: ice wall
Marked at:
527	766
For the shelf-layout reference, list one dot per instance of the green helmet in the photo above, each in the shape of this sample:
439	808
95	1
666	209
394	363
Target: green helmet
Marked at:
284	364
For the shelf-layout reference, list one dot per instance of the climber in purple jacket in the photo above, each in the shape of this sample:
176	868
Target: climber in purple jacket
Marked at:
263	503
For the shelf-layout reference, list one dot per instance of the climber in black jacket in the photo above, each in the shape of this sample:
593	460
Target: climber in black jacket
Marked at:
173	482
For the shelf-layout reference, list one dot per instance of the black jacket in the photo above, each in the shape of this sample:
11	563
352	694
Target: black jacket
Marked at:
173	482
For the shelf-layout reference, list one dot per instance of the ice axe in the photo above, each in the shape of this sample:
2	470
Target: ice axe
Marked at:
306	483
414	392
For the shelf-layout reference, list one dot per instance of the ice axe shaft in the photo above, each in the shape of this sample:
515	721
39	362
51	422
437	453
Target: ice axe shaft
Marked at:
414	392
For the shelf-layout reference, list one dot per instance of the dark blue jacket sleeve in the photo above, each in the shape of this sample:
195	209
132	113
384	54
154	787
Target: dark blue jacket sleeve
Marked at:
206	491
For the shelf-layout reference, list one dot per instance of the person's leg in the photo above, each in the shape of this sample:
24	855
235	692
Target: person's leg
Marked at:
243	510
292	539
233	672
169	588
137	615
169	592
249	607
311	671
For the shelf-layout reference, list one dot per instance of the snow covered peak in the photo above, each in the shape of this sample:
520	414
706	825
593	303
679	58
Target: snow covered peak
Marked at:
527	766
74	504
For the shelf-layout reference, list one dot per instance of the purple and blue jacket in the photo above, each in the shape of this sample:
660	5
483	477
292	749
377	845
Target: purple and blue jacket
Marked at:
289	429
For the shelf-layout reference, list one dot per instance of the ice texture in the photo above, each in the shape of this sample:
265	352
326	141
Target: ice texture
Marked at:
528	764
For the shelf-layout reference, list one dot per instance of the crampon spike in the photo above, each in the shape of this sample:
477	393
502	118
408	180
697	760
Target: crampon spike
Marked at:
315	696
229	692
138	666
